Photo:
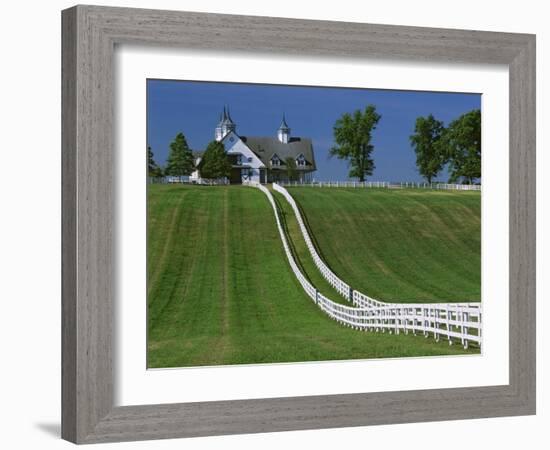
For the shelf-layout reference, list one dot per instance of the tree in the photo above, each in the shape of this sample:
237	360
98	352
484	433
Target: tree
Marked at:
353	135
291	170
462	143
430	158
180	159
153	169
215	163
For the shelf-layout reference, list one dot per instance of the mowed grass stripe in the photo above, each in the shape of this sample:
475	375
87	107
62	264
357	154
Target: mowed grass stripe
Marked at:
163	214
176	298
226	294
402	245
407	244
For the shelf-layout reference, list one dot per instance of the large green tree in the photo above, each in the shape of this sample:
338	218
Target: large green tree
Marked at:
430	157
462	143
353	137
291	170
180	159
214	163
153	169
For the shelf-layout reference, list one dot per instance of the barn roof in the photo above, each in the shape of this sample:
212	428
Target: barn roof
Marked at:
266	147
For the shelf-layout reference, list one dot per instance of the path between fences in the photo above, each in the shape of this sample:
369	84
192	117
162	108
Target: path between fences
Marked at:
453	321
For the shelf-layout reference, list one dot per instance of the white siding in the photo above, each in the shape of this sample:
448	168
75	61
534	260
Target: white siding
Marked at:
235	146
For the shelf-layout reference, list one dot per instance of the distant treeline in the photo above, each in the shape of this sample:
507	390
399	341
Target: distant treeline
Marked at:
213	163
457	147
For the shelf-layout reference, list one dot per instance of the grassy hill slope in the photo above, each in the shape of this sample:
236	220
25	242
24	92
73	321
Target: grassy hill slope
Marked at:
301	252
220	290
399	245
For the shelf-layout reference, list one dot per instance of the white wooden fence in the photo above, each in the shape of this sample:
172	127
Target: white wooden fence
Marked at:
386	185
187	180
460	321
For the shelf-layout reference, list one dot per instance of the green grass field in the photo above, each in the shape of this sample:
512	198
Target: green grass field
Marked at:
301	252
220	290
399	245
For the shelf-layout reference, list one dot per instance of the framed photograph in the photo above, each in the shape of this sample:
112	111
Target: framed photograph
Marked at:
265	229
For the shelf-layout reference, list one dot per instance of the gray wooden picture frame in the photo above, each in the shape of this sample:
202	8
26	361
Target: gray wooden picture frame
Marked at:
90	34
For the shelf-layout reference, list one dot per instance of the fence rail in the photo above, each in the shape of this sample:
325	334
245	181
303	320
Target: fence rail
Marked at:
187	180
384	185
452	320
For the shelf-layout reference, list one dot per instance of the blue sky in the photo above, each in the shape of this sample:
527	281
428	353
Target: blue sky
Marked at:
193	108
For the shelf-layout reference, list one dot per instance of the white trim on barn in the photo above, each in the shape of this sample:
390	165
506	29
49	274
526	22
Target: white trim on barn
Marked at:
252	165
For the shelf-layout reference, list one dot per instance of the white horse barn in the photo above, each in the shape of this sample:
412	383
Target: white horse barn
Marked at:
263	159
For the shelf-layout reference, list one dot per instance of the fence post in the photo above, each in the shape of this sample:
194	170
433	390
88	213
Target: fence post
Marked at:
436	323
467	319
449	326
426	321
461	323
397	312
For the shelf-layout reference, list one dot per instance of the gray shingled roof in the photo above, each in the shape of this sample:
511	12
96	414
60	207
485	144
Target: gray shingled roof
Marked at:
266	147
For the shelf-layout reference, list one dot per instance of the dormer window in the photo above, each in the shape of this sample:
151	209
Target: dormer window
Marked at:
301	161
275	161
